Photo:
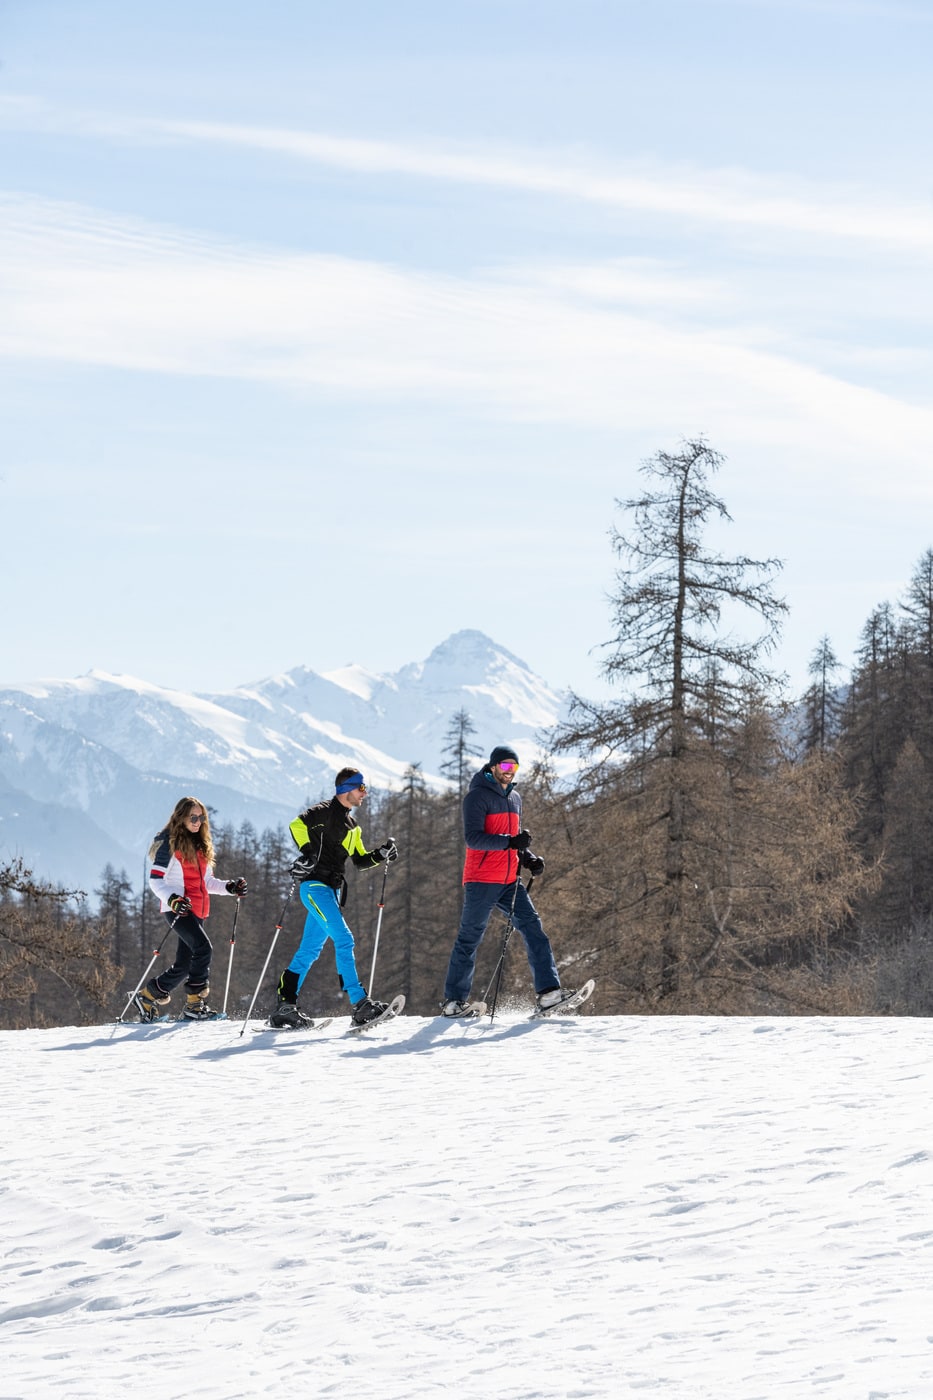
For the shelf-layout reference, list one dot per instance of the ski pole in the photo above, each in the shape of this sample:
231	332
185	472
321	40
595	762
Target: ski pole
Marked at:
382	905
497	973
230	958
142	979
278	930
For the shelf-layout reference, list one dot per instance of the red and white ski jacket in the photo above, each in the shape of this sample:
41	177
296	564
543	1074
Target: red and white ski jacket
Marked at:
171	874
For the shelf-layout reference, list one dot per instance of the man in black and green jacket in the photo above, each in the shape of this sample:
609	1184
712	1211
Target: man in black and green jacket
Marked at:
326	836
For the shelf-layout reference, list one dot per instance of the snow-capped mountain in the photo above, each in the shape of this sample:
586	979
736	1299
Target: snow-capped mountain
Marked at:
90	768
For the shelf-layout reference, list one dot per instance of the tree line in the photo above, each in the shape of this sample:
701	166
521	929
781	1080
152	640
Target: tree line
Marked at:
721	849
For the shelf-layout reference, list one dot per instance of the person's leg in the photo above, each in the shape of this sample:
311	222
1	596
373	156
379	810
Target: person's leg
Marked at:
324	921
478	901
340	932
199	969
312	940
537	944
192	958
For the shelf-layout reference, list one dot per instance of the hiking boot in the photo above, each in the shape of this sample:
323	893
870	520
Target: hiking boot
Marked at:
367	1010
455	1008
147	1001
554	997
286	1013
197	1009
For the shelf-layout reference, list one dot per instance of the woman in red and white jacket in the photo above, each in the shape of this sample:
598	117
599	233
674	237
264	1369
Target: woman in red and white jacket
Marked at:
182	878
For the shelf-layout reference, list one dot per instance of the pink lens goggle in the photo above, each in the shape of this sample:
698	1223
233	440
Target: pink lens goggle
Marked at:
508	767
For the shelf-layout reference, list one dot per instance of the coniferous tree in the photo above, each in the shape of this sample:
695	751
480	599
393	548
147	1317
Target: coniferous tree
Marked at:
918	605
917	633
459	750
675	661
116	912
822	708
457	766
874	720
887	746
705	865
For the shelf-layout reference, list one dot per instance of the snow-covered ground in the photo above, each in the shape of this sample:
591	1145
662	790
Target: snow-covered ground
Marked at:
583	1207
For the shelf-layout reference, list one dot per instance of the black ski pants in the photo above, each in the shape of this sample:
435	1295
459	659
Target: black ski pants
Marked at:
192	959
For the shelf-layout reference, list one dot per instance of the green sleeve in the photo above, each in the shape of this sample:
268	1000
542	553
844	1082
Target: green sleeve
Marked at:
353	843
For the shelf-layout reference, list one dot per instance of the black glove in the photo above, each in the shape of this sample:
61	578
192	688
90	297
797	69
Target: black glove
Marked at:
388	850
303	869
180	905
532	862
237	887
521	842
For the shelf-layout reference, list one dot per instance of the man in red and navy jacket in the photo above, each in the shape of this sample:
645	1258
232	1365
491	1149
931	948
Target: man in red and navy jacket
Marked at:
497	848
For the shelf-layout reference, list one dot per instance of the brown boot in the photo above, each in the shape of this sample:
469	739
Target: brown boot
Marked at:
147	1002
197	1009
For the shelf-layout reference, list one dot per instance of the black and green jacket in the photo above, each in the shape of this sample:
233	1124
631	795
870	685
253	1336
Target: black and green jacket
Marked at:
326	835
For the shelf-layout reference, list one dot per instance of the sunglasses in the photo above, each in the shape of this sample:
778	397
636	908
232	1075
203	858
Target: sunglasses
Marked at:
192	818
508	767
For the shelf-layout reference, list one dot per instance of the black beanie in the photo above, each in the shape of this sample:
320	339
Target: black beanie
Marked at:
501	753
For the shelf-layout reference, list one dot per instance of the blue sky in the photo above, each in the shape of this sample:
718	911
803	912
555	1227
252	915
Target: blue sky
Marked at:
328	331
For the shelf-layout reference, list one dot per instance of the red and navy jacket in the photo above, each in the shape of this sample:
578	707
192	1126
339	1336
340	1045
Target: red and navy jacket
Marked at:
491	814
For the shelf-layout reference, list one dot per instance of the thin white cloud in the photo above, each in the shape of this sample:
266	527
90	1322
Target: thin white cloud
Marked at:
726	198
721	197
83	289
627	281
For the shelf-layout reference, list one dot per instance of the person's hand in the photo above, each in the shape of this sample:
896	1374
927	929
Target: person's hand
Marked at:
533	863
237	887
388	850
521	842
302	869
180	905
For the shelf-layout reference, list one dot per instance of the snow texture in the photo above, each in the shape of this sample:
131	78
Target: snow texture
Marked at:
582	1207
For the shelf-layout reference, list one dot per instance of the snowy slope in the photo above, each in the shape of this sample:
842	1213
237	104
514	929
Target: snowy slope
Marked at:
596	1207
113	753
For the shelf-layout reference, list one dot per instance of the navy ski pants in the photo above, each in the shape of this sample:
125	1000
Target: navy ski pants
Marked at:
479	900
192	960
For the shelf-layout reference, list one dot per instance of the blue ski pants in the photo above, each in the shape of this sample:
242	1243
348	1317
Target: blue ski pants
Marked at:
326	921
479	900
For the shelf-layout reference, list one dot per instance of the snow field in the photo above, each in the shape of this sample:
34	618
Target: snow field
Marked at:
580	1207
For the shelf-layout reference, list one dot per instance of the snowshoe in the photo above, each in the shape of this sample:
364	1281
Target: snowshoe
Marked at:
560	999
464	1010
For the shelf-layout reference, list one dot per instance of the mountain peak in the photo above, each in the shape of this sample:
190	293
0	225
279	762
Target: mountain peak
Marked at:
473	648
465	659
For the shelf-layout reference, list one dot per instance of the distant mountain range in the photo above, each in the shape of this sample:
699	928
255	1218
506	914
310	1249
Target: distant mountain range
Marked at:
90	768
